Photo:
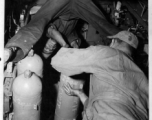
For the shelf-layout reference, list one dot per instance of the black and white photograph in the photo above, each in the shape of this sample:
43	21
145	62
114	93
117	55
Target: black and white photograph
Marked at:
75	59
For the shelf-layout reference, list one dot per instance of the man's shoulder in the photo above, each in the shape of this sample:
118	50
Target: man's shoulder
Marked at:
99	47
107	49
103	50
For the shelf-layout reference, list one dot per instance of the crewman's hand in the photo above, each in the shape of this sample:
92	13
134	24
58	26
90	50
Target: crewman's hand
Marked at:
7	54
75	92
74	44
71	91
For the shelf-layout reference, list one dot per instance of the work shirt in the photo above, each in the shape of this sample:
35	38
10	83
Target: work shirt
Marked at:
118	88
28	35
66	28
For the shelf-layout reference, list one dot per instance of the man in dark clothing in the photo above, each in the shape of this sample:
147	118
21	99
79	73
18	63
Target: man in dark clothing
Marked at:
62	26
51	10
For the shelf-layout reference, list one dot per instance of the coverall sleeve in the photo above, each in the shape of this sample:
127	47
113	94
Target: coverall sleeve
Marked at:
30	34
72	61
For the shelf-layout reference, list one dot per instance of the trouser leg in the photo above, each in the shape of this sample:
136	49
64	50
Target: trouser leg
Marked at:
88	11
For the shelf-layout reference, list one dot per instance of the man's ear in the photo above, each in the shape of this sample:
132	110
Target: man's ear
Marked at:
112	42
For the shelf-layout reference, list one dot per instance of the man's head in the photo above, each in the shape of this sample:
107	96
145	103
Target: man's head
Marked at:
127	37
124	41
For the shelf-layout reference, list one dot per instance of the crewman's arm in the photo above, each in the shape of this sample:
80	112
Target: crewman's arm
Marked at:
72	61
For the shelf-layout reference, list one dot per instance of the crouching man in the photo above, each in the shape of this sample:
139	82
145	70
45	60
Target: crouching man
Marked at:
118	88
